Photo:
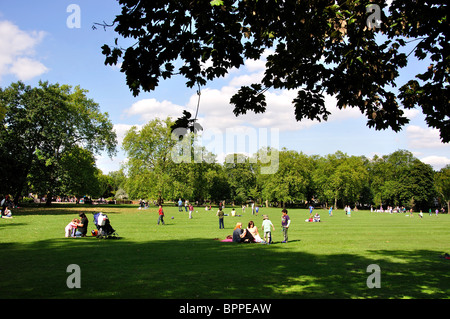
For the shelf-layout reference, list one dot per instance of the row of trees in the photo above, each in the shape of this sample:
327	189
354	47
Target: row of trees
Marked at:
336	179
50	134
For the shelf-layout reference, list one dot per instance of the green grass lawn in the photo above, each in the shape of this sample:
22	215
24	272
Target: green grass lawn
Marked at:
182	260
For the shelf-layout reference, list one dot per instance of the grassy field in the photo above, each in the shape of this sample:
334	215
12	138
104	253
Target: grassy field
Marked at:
182	260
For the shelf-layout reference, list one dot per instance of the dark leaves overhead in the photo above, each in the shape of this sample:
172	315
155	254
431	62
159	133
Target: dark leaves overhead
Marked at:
317	47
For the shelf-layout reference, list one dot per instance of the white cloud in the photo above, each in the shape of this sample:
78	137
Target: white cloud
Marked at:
26	68
17	50
255	65
107	164
246	79
216	112
121	130
419	137
411	113
149	109
438	162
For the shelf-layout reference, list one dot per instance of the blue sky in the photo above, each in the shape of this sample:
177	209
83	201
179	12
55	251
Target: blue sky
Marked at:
36	43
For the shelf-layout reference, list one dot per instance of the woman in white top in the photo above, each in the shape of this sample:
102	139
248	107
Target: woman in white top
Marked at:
254	231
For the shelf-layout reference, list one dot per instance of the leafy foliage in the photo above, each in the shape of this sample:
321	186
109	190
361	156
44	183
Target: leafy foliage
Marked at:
46	130
317	47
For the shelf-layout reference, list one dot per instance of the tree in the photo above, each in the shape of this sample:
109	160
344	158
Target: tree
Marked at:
78	175
339	177
399	179
317	47
385	175
166	164
41	126
442	184
241	178
149	160
291	182
217	185
417	186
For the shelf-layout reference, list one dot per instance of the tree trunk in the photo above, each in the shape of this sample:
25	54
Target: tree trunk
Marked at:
48	202
16	198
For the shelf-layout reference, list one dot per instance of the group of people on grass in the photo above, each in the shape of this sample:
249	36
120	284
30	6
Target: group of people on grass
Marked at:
77	227
251	233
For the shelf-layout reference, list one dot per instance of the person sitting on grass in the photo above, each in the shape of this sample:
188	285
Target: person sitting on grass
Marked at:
82	226
242	236
316	218
7	213
71	228
254	232
237	232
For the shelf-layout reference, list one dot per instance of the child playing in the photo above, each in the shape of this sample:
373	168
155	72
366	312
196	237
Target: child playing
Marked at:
161	215
266	228
191	209
71	227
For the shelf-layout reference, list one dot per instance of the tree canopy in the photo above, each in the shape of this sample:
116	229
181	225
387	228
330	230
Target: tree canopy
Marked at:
48	139
316	47
153	173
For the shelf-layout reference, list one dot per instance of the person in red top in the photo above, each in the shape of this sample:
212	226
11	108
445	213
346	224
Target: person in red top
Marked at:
161	215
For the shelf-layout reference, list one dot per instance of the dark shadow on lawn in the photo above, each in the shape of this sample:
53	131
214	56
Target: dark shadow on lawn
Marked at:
202	268
60	210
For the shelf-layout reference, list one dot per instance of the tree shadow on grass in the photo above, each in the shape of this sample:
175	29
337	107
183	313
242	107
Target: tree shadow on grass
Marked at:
202	268
60	210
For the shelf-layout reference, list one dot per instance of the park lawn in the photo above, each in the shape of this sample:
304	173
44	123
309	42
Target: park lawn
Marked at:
181	260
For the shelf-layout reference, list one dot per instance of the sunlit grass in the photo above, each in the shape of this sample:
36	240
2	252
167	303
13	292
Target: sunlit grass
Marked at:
182	260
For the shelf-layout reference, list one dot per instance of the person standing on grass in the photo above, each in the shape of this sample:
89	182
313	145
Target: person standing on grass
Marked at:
180	203
191	209
311	208
221	214
266	228
161	215
285	223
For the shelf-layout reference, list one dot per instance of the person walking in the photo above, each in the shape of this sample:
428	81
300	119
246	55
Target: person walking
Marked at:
161	215
266	228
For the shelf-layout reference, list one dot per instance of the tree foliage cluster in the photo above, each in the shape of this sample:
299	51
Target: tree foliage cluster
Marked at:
397	179
316	47
48	138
